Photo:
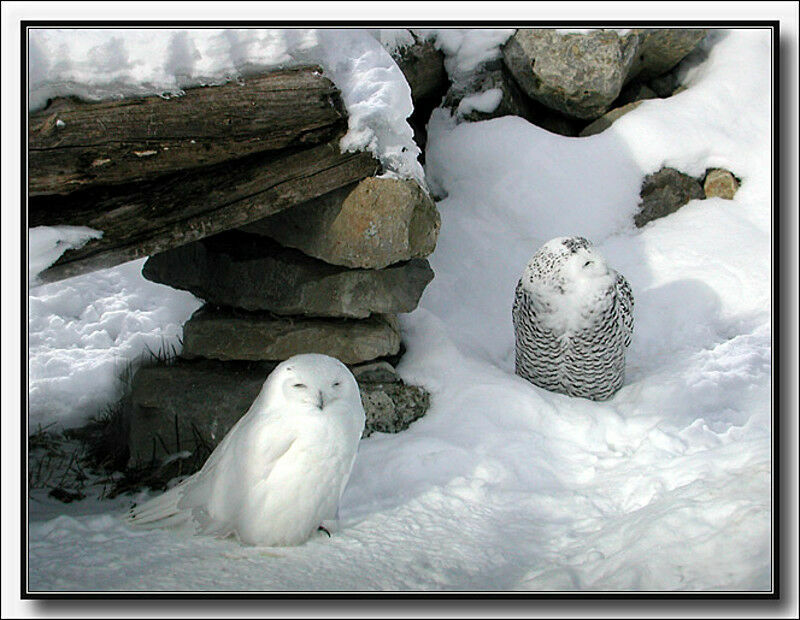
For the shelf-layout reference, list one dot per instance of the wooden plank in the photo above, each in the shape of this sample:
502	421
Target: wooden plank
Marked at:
75	145
145	218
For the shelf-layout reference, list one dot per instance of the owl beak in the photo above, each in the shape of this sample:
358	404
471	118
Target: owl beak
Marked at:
321	400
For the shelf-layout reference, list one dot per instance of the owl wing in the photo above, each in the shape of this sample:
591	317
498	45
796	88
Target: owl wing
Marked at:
211	497
517	302
625	300
244	459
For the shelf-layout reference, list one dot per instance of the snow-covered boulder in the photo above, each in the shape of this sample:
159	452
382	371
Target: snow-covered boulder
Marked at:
491	93
423	67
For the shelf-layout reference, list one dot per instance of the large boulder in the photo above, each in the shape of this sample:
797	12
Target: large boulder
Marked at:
665	192
225	334
582	73
577	74
191	405
253	272
378	222
660	49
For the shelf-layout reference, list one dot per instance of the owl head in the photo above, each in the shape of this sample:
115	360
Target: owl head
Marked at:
312	380
566	265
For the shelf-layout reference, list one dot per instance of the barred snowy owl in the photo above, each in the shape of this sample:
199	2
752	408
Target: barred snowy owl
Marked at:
573	318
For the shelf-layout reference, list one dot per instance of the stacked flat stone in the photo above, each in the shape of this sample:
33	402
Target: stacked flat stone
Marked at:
327	276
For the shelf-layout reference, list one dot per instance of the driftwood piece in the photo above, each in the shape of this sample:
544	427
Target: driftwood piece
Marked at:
75	145
145	218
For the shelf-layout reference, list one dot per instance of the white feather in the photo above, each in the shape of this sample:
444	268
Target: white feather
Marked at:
281	470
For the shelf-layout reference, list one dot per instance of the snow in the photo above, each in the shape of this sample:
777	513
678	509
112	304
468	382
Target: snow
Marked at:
393	40
502	485
467	49
106	64
487	102
46	244
84	331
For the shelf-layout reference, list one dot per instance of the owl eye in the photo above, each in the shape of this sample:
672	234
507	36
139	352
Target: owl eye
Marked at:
587	263
299	385
336	383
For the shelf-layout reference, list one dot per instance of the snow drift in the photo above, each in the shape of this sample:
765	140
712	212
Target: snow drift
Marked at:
502	485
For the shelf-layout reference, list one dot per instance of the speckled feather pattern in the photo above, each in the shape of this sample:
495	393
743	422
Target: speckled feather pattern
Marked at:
587	362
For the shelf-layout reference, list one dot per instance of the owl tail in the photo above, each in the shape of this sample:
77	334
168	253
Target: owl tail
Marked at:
161	511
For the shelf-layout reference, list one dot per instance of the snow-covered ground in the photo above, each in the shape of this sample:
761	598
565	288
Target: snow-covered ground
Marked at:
502	485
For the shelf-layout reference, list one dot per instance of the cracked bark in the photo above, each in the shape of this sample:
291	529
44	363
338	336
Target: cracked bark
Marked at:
280	148
76	145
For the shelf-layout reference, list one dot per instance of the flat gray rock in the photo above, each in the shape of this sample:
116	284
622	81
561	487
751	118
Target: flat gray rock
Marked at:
189	406
375	372
224	334
253	272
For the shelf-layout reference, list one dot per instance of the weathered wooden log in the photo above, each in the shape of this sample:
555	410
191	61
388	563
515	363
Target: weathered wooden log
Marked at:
75	145
140	219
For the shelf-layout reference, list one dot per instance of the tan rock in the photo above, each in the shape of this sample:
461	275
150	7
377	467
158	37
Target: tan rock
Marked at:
720	183
371	225
605	121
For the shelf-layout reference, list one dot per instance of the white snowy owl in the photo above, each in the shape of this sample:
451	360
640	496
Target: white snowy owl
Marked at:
573	319
282	468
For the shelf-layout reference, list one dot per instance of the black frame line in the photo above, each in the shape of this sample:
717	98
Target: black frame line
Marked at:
26	594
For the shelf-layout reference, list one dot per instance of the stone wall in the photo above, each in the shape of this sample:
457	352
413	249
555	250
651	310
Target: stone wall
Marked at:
329	275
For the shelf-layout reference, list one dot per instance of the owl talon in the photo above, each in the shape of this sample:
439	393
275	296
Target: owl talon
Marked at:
324	530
